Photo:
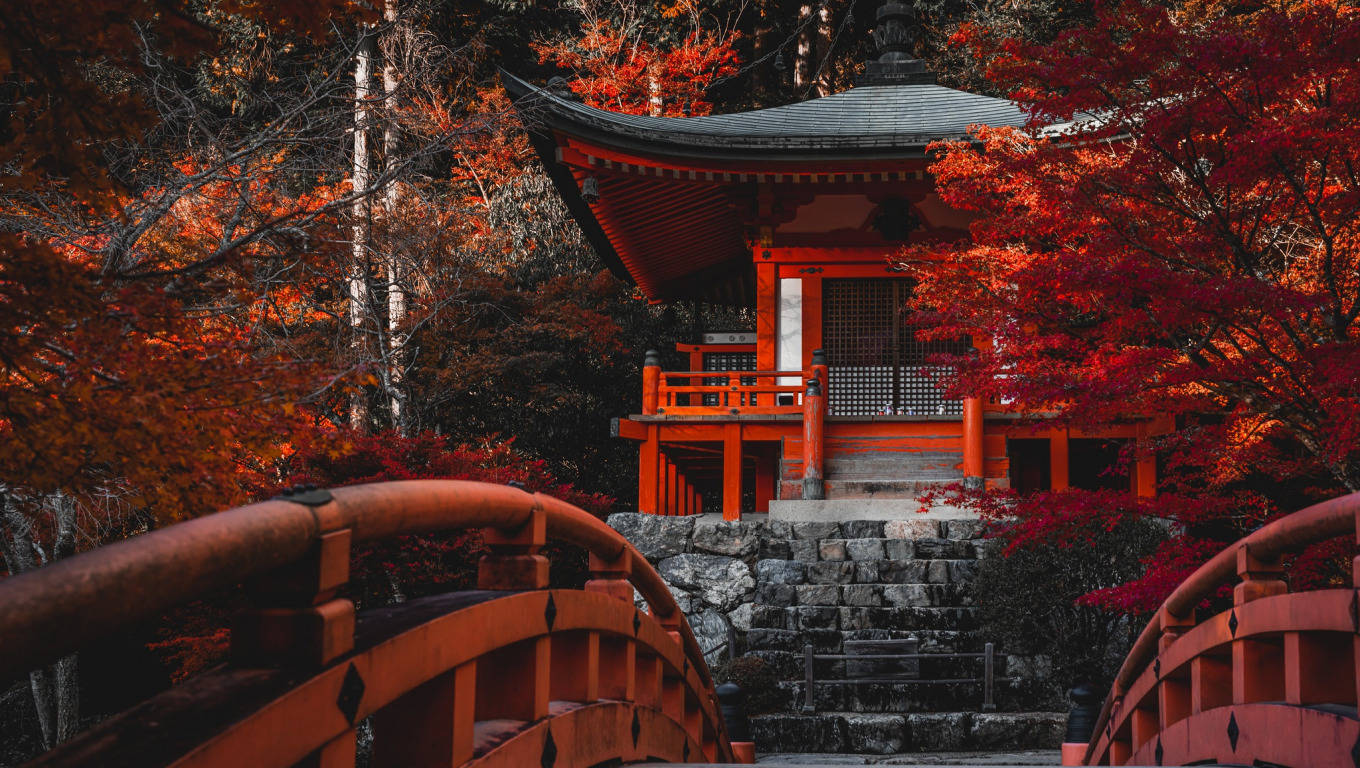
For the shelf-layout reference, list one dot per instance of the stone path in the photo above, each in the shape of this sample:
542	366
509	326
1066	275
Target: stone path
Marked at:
989	759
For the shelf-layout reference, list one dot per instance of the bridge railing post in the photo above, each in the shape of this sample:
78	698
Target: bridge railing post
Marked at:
515	561
1257	664
298	619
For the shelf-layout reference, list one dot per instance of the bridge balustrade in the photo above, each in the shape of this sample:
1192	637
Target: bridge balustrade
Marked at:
510	674
1270	681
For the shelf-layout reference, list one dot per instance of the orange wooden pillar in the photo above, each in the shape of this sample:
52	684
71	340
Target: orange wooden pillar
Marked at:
814	413
973	477
1057	461
672	488
651	382
732	471
767	315
1144	478
649	461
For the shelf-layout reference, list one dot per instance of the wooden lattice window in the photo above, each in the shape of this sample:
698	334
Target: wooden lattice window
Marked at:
877	362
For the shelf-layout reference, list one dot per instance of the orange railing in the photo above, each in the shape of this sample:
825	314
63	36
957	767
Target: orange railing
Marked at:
508	675
1272	680
697	393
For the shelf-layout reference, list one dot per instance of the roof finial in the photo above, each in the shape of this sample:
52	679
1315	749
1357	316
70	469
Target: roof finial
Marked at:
895	33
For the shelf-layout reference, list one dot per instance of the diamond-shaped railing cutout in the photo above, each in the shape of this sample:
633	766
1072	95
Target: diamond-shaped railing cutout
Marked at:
1157	668
637	621
1157	753
550	612
351	693
1232	623
1233	732
1355	610
1355	753
685	753
549	751
636	728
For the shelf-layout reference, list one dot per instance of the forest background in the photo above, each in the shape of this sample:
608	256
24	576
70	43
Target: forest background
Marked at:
251	245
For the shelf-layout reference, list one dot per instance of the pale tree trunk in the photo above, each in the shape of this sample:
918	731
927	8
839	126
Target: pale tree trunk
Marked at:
363	224
56	687
396	291
760	46
802	63
654	102
824	50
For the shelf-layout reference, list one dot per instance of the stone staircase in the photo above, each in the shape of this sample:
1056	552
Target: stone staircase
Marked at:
886	580
877	474
781	584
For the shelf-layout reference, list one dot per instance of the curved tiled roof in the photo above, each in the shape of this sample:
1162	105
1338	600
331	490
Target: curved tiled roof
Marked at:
865	119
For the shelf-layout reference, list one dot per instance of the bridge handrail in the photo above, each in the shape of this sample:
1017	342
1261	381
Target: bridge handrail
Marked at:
1311	525
54	610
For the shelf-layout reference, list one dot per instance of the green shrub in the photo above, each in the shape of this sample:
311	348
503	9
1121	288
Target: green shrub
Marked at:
1029	599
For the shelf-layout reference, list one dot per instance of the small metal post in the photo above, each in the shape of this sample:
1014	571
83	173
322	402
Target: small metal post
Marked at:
988	677
808	707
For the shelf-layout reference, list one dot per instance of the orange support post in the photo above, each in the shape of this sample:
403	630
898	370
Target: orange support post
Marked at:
1145	477
514	561
765	480
767	314
972	444
1057	461
814	410
431	726
732	472
672	488
648	461
651	382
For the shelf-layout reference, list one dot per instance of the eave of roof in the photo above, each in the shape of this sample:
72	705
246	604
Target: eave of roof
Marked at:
885	122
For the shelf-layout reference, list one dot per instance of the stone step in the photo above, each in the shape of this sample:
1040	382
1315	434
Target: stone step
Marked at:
882	734
856	617
836	510
830	640
898	696
850	487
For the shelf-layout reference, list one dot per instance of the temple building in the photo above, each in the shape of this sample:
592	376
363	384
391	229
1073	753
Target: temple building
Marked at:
797	212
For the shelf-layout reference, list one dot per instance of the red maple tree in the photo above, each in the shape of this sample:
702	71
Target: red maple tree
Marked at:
1184	240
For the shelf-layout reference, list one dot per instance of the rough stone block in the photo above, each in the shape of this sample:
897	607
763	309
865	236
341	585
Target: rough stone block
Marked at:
656	536
942	549
710	629
831	572
866	572
906	596
875	734
964	529
779	572
937	571
831	549
779	529
1016	730
862	529
911	529
740	617
815	530
759	639
823	640
734	538
818	594
775	549
898	549
768	617
688	601
853	618
904	571
803	550
780	595
817	617
722	582
797	733
866	595
865	549
938	731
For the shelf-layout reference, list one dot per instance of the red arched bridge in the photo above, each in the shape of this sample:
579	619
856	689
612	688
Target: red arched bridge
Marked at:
511	674
1269	681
